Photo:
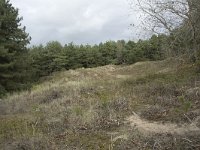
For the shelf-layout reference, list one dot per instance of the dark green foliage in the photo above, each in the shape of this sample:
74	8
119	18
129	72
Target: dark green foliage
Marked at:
13	41
153	49
55	57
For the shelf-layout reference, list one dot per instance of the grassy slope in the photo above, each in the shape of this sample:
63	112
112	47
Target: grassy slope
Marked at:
87	108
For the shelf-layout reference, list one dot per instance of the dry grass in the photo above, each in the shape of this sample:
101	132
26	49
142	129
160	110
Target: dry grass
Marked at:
87	108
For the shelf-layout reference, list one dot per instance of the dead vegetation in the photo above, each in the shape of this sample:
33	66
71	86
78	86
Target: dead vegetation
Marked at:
88	109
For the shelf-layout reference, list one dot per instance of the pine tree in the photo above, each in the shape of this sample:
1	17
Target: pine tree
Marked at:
13	41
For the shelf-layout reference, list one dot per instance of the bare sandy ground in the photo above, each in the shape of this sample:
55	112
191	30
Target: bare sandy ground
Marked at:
148	127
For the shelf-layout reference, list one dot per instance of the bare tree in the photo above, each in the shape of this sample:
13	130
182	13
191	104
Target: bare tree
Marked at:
163	16
179	18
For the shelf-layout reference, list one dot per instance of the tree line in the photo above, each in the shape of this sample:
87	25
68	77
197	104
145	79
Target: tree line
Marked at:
42	60
55	57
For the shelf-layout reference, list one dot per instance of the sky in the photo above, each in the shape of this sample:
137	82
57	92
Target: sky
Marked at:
78	21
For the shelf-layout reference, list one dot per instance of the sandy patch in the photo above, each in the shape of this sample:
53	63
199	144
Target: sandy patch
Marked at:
148	127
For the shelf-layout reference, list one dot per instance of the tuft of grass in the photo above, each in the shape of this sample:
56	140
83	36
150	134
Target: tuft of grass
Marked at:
14	127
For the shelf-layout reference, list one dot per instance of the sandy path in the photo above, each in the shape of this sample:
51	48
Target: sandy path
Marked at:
148	127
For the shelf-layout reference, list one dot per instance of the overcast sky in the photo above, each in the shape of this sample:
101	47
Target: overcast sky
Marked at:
80	21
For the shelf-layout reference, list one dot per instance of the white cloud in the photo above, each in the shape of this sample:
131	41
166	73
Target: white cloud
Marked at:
80	21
